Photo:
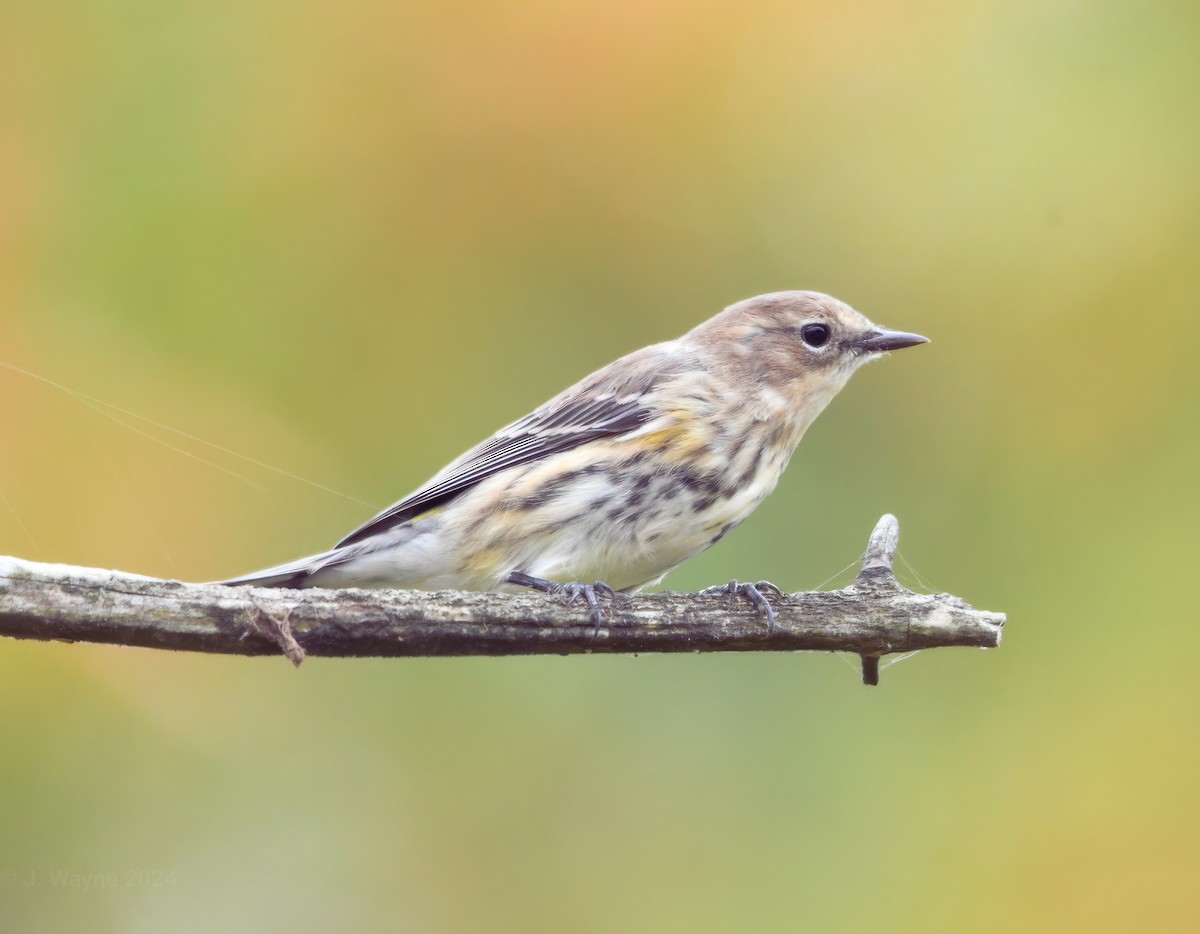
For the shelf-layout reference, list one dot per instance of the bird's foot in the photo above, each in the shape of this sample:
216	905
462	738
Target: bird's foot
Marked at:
753	593
591	593
574	592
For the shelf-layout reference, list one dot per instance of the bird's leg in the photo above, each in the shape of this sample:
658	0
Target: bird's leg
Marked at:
753	593
573	592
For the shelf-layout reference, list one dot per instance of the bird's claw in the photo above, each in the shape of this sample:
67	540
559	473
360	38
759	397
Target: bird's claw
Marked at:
574	592
753	593
591	593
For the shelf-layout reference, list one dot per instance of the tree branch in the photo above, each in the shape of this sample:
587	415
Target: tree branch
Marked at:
874	616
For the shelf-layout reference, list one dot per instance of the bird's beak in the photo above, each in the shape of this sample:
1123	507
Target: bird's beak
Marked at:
881	340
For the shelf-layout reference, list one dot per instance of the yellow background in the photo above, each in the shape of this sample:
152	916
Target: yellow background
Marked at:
349	240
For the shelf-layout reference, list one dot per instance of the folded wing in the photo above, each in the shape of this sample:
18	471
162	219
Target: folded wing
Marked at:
614	401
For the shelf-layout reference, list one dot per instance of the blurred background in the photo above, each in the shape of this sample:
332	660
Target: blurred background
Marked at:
350	240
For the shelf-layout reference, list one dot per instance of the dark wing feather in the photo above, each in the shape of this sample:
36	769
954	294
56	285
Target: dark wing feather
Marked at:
608	403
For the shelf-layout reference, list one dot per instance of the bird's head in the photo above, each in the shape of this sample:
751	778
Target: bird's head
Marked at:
802	345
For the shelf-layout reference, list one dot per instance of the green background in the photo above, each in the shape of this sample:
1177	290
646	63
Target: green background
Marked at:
349	240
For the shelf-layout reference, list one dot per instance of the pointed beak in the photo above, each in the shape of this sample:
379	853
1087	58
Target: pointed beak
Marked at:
881	340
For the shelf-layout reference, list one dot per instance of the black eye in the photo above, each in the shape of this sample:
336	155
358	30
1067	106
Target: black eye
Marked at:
815	335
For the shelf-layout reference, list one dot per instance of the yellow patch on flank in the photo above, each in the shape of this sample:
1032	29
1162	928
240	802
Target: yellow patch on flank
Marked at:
678	442
486	562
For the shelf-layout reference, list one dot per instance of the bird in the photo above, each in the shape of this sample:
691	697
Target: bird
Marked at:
625	475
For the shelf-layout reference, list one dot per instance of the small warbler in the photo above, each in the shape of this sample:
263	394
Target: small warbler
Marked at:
624	475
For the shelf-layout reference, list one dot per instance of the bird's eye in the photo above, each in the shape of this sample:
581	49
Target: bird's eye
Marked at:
815	335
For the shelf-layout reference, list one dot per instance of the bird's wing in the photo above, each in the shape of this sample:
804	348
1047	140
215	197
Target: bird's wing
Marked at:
612	401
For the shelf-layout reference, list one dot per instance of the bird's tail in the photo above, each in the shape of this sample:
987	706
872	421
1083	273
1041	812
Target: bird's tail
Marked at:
293	574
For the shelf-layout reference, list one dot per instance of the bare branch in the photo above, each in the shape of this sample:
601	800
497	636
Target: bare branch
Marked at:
874	616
